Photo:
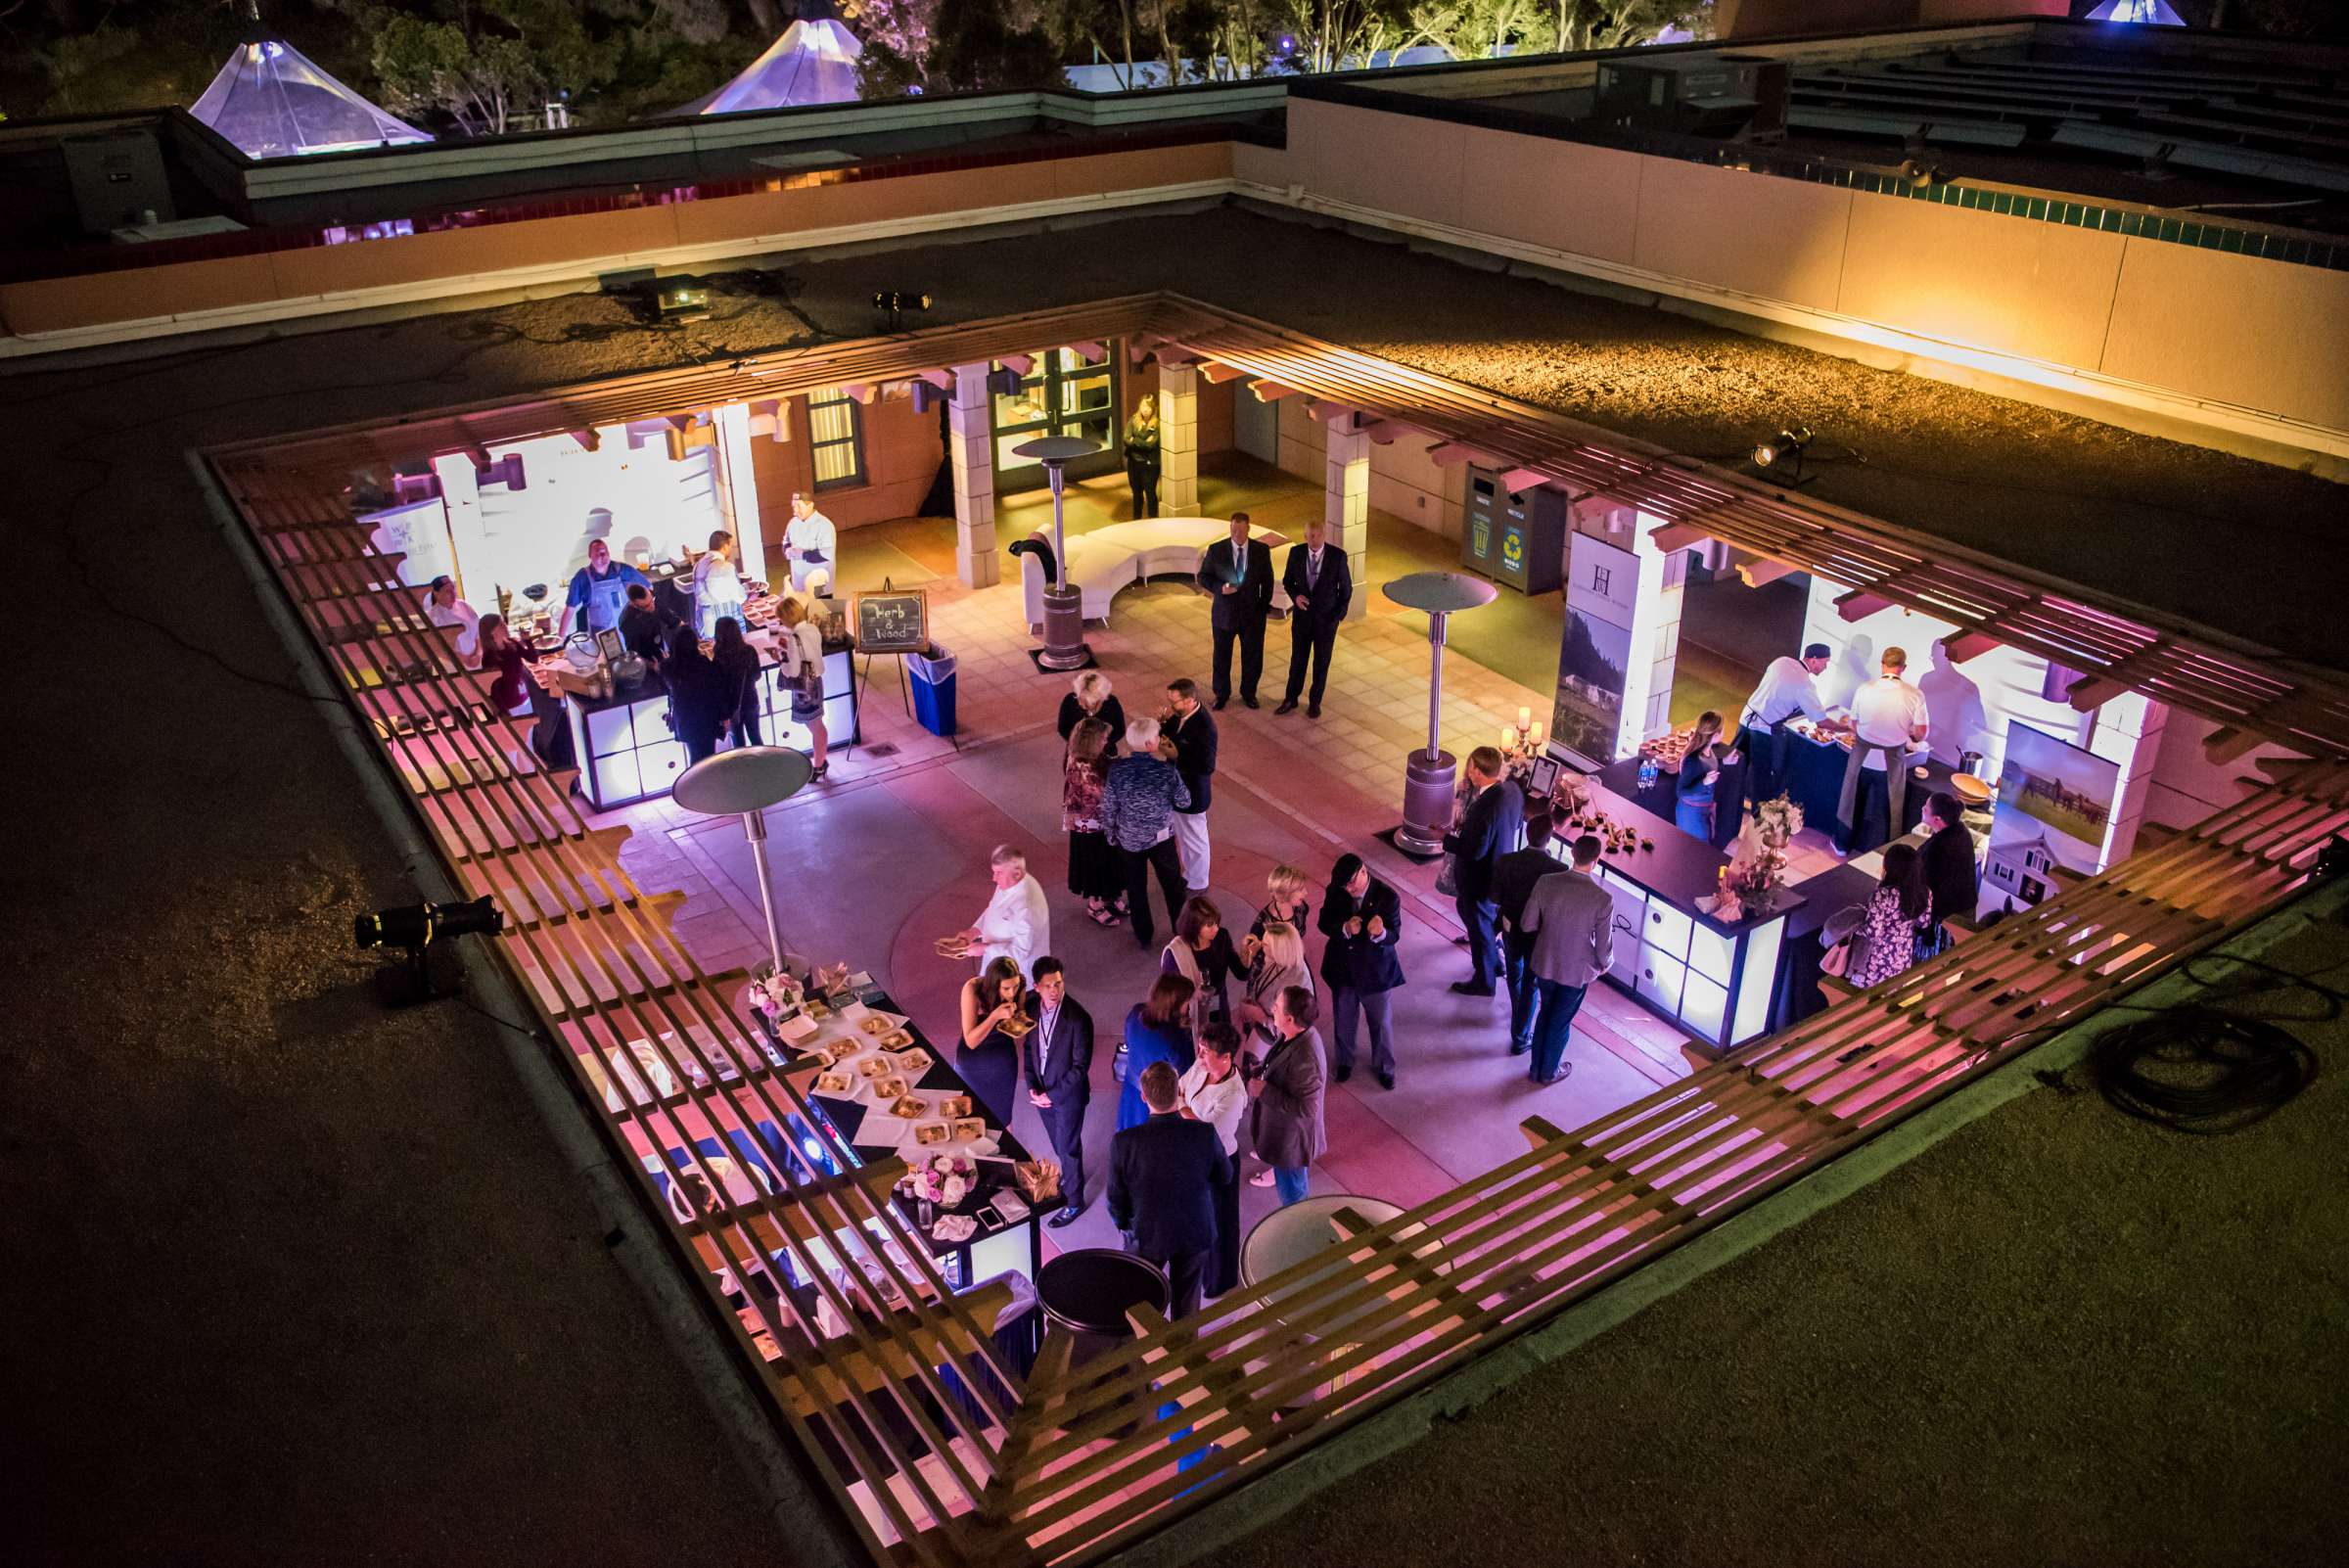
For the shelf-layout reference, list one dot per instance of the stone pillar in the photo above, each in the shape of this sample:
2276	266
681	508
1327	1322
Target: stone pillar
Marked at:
1178	440
1345	506
738	487
971	450
1623	633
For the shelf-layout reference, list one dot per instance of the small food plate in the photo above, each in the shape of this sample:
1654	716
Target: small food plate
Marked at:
955	1105
834	1083
910	1107
927	1133
913	1063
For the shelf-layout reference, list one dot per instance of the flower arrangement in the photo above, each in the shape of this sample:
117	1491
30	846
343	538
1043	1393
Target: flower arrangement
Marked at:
1758	860
944	1179
771	992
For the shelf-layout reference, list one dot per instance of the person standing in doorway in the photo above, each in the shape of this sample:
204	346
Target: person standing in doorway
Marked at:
1514	877
1163	1176
1059	1062
1363	918
1284	1124
599	591
811	544
1141	456
1490	827
1571	922
1237	575
1189	743
1789	689
1888	718
1319	585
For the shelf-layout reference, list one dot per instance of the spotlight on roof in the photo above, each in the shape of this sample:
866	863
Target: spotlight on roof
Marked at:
414	929
892	303
1781	456
680	300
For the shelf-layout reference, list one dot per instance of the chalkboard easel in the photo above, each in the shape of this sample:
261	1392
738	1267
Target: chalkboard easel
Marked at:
894	621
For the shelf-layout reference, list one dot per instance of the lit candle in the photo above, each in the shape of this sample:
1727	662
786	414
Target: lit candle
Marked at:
1536	740
1525	716
1508	737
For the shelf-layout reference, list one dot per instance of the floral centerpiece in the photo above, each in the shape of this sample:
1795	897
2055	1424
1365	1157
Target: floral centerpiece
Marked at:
944	1179
773	993
1757	866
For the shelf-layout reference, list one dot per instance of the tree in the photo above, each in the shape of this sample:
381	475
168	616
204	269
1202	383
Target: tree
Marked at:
1336	34
1471	29
1582	24
490	61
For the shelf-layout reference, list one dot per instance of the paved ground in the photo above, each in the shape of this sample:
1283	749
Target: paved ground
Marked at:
2060	1336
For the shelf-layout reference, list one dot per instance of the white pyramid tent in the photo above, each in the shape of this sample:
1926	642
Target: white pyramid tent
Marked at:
815	62
273	102
2156	12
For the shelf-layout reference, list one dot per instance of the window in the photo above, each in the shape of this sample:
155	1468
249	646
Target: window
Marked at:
835	438
1063	395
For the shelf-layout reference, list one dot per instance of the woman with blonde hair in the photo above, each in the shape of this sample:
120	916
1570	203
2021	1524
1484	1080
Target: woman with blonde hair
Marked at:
1091	698
1287	902
1692	806
1095	873
1279	964
1141	456
801	646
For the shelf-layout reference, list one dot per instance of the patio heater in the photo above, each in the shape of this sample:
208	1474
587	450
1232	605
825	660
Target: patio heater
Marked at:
1063	606
1429	776
745	782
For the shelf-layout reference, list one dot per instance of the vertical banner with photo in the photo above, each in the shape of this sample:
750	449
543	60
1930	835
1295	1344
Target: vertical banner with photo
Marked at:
1602	592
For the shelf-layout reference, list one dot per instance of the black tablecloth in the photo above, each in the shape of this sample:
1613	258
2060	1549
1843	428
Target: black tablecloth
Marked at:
1814	781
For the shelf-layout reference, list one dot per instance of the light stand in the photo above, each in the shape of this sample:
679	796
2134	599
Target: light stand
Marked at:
745	782
1429	777
1064	605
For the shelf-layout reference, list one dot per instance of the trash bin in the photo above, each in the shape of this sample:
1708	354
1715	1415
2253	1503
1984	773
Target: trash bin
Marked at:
933	677
1086	1293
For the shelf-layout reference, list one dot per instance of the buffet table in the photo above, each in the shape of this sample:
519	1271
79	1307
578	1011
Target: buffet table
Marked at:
1712	977
626	750
849	1057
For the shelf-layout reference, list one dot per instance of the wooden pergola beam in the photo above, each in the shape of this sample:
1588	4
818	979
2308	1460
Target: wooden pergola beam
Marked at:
1860	604
1218	372
1761	570
1271	391
1450	454
1968	645
1674	537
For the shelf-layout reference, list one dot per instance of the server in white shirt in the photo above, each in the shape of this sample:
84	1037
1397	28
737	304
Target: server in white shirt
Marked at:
1888	721
1016	923
811	544
443	608
1789	687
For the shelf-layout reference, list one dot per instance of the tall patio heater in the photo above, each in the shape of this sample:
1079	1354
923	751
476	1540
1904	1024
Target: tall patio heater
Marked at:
1063	606
1429	776
745	782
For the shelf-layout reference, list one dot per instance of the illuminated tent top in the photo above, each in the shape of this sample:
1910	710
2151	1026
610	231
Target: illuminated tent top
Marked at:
2156	12
815	62
273	102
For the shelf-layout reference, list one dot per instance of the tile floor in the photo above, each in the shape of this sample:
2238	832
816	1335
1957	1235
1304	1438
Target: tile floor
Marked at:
892	851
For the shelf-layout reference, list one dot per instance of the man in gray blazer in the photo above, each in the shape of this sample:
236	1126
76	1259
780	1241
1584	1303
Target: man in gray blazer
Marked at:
1571	922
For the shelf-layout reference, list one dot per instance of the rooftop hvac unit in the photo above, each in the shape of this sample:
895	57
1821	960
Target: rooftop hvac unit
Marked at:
118	179
1723	96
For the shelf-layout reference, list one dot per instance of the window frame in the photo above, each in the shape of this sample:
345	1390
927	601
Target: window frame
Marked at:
856	476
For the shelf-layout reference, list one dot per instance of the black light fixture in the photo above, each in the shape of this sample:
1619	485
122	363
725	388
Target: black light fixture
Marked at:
680	299
414	929
1005	382
1781	456
892	303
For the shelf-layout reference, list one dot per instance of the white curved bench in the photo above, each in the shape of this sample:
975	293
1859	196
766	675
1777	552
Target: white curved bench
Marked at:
1123	554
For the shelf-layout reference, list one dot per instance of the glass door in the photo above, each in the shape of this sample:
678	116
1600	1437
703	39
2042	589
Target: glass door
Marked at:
1065	394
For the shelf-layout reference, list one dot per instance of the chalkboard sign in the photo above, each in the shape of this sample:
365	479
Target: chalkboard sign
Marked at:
892	623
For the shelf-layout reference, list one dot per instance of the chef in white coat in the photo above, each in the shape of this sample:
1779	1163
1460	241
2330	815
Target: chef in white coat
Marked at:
1017	923
811	544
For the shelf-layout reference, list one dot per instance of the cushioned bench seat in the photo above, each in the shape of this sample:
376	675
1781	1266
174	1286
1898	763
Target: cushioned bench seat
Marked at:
1121	554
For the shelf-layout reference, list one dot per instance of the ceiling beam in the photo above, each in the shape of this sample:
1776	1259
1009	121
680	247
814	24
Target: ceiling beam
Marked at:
1860	604
1218	372
1968	645
1271	391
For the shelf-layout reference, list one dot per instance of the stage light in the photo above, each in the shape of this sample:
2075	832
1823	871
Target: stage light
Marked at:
414	929
680	300
1782	454
892	303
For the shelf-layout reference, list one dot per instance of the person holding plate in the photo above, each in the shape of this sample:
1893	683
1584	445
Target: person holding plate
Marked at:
992	1021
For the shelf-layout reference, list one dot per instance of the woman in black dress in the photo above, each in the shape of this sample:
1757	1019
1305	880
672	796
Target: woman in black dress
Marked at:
697	694
1091	698
738	663
988	1059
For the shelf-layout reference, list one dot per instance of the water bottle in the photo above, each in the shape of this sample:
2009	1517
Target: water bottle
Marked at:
1647	774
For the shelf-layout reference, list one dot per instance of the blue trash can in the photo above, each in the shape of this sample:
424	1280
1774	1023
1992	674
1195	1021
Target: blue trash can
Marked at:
933	677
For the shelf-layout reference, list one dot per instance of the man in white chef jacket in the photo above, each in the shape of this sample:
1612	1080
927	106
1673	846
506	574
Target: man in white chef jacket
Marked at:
1889	720
811	544
1016	923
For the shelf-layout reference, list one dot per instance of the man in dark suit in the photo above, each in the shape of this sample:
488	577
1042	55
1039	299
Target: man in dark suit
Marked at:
1514	875
1187	739
1236	574
1319	585
1163	1176
1487	833
1058	1059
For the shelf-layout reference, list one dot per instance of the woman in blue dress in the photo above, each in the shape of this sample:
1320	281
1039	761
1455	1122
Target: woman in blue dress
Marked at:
1156	1031
1692	804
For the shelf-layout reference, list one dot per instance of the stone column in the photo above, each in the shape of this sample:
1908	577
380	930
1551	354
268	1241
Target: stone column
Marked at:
971	450
1345	506
1178	440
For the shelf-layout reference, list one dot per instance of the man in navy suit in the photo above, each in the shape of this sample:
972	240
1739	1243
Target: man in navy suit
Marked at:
1163	1176
1058	1060
1496	817
1319	585
1237	575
